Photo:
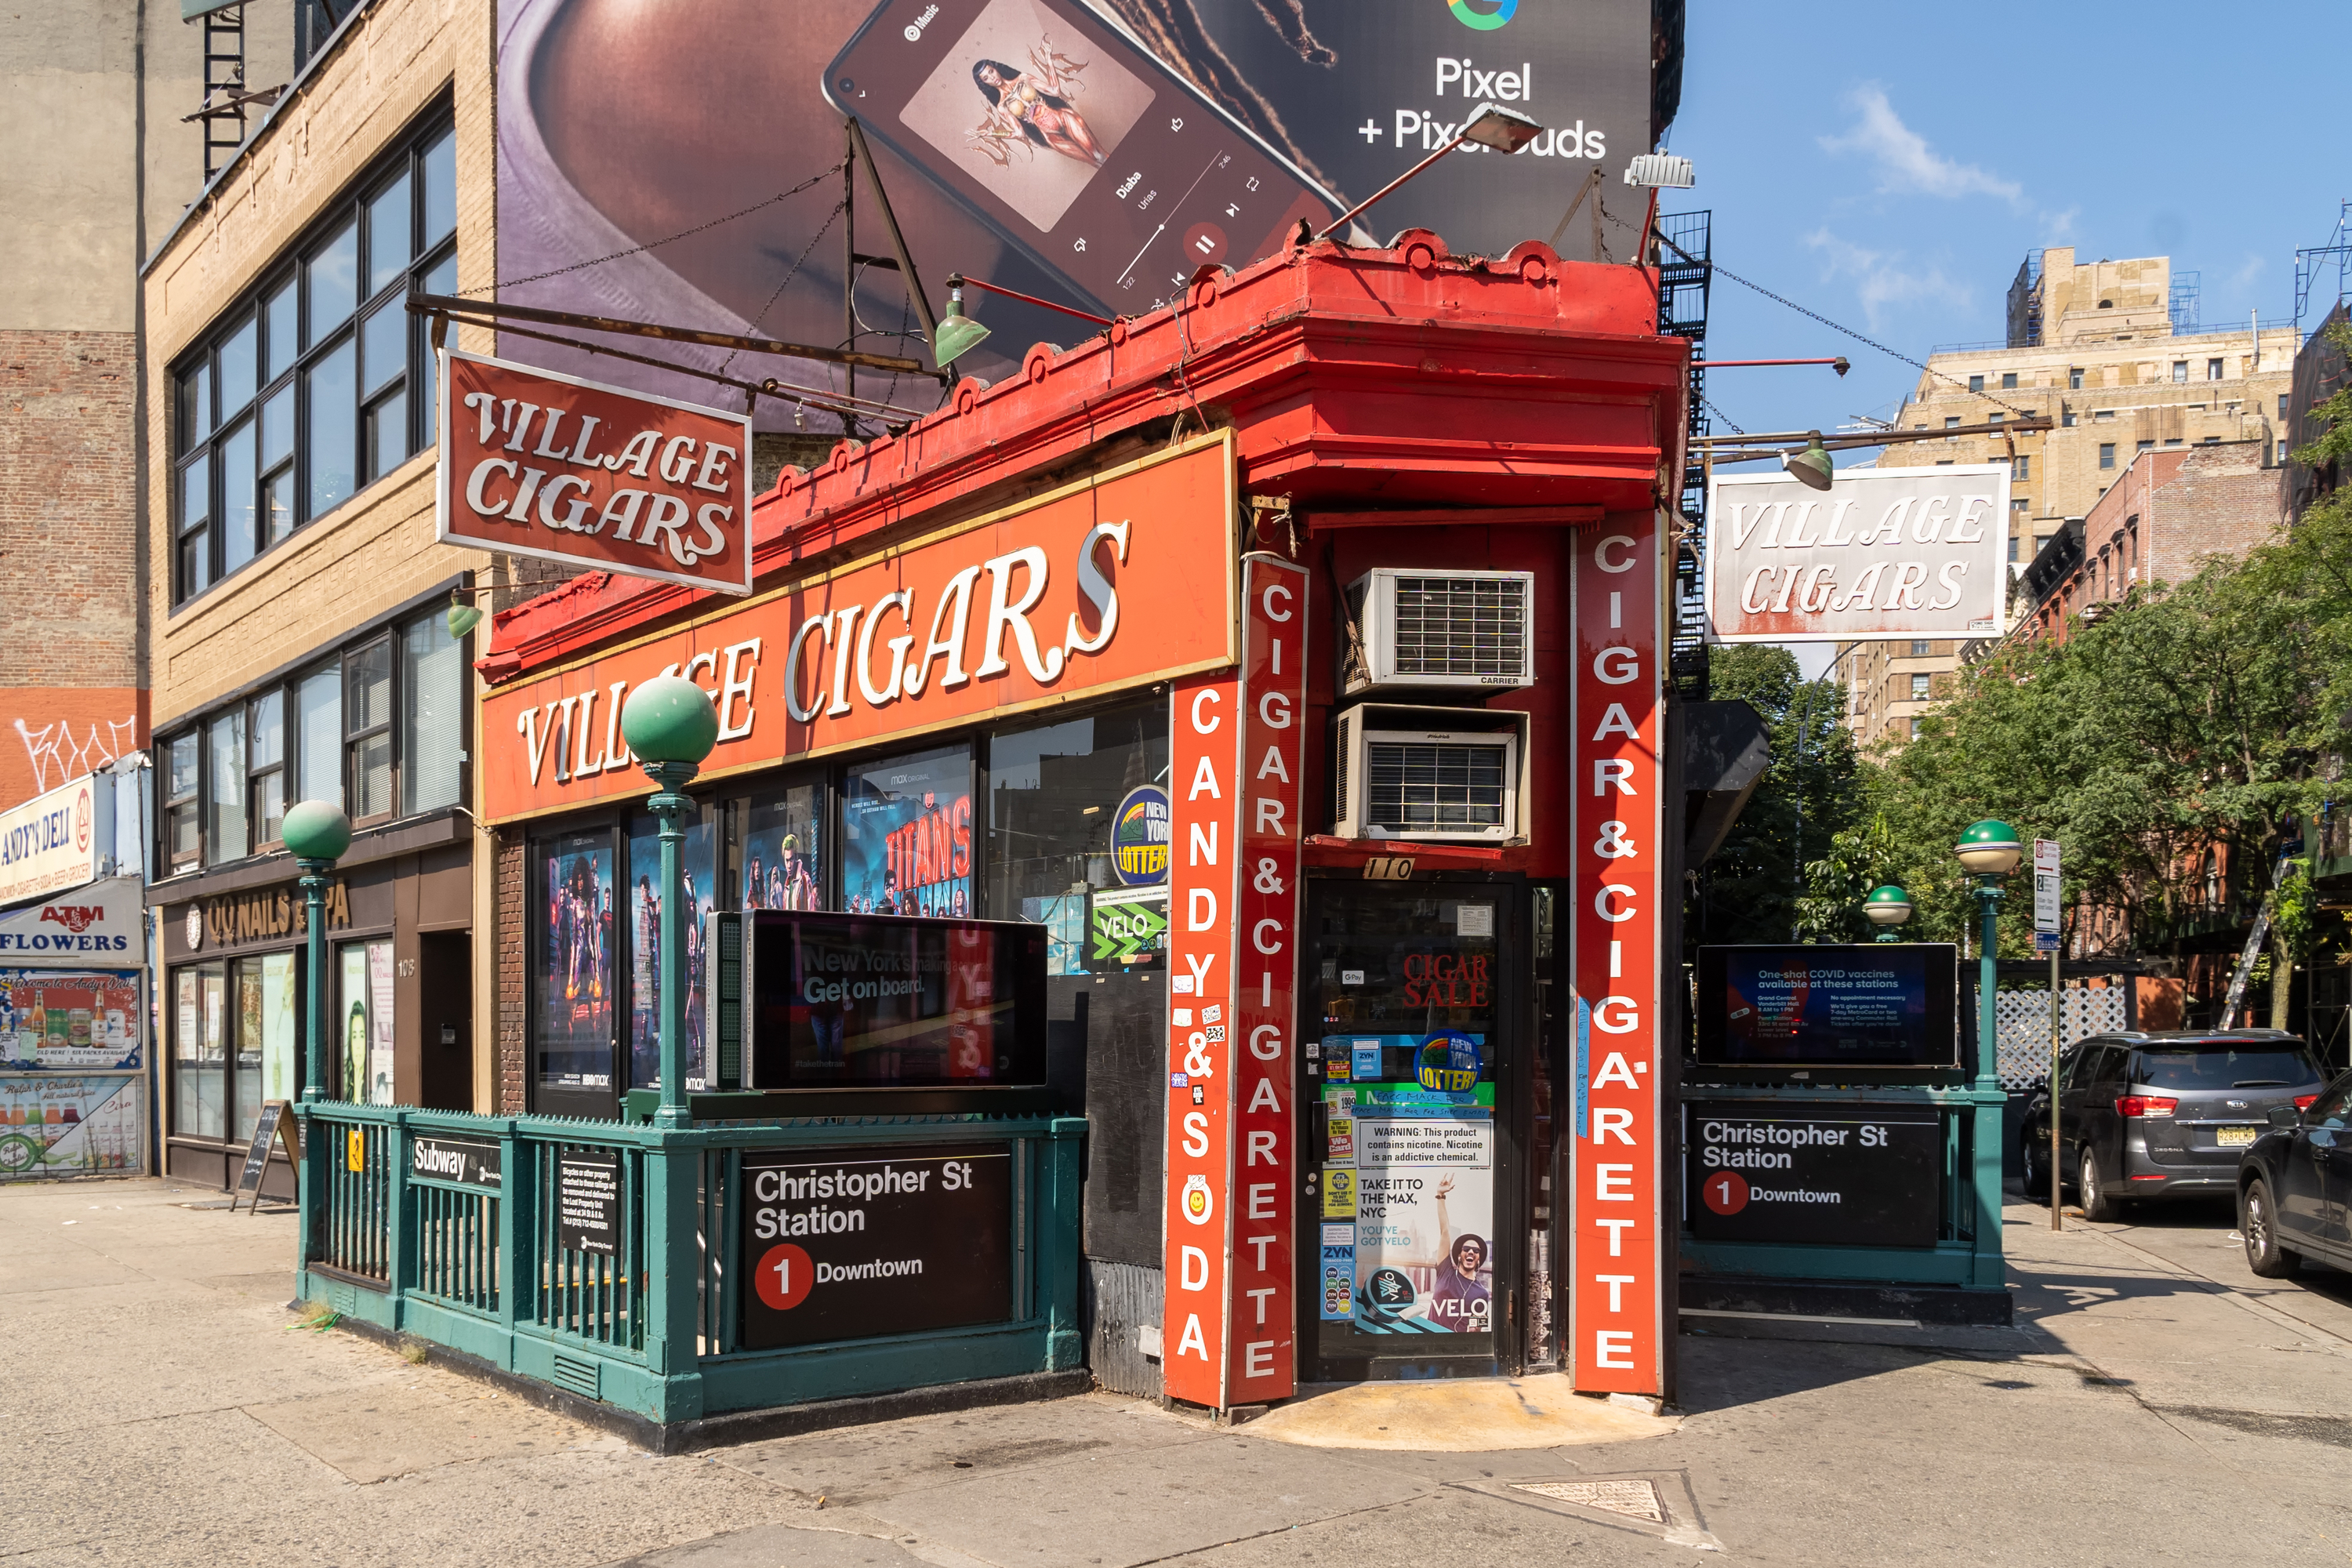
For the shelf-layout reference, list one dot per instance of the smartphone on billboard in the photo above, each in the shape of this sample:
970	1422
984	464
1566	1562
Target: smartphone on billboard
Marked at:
1084	153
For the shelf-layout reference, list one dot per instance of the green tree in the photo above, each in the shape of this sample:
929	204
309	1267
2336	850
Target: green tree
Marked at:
1750	891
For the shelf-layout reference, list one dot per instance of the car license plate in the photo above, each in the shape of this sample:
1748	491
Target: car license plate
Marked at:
2233	1137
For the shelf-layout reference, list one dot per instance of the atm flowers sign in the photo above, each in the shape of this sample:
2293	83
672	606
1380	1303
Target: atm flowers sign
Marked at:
552	466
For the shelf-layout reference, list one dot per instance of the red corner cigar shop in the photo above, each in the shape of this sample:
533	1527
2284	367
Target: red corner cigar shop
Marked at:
1295	654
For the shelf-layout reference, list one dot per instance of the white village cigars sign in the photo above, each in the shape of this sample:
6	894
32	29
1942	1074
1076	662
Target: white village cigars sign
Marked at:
1884	552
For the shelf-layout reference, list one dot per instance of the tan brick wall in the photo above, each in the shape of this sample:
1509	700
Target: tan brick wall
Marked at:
376	549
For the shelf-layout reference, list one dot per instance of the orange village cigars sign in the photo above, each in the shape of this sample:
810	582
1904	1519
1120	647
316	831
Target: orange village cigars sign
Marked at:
1119	580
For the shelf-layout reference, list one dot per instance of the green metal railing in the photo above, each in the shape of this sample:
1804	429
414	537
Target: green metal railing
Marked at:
653	1325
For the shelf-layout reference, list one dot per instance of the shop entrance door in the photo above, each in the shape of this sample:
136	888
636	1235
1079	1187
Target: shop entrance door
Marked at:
1411	998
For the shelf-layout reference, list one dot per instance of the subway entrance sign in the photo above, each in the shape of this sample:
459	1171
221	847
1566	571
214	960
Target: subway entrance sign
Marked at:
1859	1175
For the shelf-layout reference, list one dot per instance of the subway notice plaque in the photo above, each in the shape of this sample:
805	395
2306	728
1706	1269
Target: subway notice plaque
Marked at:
1858	1174
864	1242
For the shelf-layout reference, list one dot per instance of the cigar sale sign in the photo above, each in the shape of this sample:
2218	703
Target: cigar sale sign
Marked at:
553	466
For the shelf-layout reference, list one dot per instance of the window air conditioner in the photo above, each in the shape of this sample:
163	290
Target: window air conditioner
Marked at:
1447	774
1426	629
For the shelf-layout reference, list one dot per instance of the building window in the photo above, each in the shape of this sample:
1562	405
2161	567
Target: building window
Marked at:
319	382
2021	468
2104	414
2213	370
1922	649
1994	418
2066	418
1914	728
367	730
2009	381
2172	440
2013	542
2074	378
182	836
378	729
2281	454
2180	371
224	828
2020	506
1920	686
2283	396
1976	383
1951	422
2107	454
1943	462
265	767
2146	446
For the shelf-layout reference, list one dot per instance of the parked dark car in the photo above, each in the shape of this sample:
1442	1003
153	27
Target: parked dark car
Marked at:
2295	1186
2164	1114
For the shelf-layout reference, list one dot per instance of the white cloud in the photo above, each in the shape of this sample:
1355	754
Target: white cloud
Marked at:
1906	164
1881	280
2247	272
2059	227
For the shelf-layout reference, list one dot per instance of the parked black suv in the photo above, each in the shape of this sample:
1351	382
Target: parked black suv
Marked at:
2294	1185
2166	1113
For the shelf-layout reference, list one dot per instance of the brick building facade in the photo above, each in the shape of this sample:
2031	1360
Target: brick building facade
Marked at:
2111	354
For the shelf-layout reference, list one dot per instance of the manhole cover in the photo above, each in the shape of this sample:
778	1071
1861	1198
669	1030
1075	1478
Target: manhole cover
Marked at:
1635	1499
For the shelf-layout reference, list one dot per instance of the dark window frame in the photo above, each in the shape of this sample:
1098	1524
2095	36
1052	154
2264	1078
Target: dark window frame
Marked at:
356	735
285	685
200	557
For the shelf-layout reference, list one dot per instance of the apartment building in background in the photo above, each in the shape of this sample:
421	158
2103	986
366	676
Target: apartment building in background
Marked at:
2114	354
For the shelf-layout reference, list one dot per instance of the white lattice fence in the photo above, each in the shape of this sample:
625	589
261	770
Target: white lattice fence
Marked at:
2024	1023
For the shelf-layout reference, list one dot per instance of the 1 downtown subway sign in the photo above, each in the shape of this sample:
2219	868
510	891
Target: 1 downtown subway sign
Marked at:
1861	1175
858	1243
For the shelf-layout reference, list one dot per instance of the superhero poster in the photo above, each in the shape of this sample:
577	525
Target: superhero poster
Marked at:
906	835
575	969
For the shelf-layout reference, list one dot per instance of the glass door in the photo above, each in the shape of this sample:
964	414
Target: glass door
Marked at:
1407	1040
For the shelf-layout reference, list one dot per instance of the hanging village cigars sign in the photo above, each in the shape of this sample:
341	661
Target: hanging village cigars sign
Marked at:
552	466
1118	580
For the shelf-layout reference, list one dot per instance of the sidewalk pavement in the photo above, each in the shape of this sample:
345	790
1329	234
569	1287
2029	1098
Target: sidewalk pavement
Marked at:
2150	1407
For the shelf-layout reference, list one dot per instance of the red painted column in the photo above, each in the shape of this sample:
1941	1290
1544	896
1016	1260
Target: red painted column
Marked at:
1238	756
1262	1362
1204	786
1621	1300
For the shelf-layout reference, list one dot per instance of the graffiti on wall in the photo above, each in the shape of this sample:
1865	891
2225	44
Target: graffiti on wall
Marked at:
66	733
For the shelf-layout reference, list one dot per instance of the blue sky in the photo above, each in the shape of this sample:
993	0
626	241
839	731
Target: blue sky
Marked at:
1891	167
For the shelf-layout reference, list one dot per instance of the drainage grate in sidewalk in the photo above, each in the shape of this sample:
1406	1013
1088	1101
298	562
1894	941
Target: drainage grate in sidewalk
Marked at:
1635	1499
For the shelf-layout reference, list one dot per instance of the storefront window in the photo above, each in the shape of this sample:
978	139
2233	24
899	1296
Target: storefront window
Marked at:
783	849
906	835
199	1086
701	859
573	979
1078	811
319	710
281	1076
366	1013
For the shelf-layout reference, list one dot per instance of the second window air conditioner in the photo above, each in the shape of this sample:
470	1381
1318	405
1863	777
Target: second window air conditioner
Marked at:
1453	774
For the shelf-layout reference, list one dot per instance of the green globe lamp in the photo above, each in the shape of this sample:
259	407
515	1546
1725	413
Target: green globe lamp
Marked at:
1990	849
670	726
1888	908
317	833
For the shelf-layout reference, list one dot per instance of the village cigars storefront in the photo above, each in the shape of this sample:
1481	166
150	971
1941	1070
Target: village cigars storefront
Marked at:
1297	665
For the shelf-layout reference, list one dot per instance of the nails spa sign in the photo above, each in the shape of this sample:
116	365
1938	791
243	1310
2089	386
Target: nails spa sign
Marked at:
549	465
1119	580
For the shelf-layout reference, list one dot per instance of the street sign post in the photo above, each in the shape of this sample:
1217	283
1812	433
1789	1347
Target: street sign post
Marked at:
2046	938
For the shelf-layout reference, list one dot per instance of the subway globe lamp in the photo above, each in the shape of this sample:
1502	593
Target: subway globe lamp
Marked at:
671	727
317	835
1888	908
1990	849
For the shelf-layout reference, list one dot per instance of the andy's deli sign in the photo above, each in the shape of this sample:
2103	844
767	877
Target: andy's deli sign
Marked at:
1119	580
552	466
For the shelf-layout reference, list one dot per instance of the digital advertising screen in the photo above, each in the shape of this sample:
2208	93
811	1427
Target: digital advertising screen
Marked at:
1875	1004
844	1001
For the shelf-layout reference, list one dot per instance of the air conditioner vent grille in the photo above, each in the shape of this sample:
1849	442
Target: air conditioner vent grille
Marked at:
1424	788
1465	627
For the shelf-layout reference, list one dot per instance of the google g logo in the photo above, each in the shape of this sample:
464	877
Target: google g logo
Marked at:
1484	21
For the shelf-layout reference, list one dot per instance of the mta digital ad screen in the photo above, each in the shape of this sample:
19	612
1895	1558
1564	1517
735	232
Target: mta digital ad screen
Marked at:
1878	1005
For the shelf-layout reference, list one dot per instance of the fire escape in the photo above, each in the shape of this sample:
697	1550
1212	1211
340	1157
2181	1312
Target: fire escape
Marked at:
1685	272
